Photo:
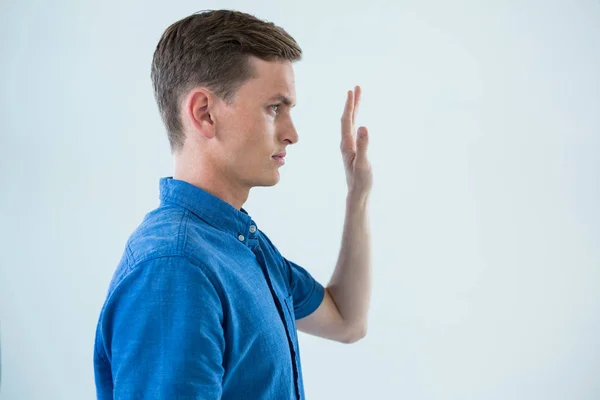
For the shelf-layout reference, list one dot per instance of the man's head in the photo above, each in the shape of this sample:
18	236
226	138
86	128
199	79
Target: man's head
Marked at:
222	80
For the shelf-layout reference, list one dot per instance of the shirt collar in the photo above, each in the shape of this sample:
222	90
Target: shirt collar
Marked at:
208	207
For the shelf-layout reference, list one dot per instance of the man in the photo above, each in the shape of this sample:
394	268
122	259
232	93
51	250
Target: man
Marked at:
202	304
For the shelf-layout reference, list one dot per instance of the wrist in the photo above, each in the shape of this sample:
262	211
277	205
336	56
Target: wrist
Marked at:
357	199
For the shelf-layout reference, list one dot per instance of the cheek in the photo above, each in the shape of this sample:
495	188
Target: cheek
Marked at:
250	135
260	131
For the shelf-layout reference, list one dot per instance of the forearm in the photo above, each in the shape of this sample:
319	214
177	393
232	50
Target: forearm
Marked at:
350	285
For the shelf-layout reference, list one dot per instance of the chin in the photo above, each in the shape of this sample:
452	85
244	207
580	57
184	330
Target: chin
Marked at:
266	182
273	182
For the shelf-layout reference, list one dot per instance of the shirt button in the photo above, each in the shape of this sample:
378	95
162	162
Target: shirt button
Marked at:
241	237
252	229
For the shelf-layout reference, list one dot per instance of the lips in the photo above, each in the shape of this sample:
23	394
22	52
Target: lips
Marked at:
279	160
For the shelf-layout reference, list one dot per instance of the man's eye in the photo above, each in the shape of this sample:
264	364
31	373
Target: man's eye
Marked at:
275	109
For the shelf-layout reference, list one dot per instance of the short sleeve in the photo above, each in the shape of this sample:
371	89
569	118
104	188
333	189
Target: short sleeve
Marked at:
162	331
307	292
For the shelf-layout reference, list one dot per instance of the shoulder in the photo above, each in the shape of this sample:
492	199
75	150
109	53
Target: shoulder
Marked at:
162	233
159	249
173	279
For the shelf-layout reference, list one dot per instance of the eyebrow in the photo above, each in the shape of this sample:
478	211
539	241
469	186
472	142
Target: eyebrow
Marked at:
283	99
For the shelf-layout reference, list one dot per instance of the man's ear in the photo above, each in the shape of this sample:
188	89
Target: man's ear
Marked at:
199	110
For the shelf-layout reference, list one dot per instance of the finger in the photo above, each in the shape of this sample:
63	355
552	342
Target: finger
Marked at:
347	134
362	143
348	110
357	95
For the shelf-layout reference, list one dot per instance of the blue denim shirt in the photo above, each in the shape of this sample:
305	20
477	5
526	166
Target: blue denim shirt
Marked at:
202	306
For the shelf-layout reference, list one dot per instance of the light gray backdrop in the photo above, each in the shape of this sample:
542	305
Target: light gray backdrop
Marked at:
485	142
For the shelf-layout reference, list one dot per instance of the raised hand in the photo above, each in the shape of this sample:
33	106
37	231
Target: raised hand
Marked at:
354	144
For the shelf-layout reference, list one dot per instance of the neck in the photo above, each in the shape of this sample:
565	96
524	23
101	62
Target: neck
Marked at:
203	173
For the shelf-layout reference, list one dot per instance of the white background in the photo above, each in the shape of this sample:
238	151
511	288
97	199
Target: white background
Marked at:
485	142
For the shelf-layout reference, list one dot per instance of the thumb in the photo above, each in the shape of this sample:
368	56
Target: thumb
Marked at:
362	143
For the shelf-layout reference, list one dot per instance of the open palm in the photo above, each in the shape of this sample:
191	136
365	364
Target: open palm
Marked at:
354	144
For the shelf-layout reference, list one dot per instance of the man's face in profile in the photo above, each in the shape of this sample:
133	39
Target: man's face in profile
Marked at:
257	125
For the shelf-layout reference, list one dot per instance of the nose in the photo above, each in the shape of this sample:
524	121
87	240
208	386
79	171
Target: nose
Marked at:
291	135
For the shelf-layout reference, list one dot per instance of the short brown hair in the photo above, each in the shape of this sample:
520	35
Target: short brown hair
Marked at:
211	48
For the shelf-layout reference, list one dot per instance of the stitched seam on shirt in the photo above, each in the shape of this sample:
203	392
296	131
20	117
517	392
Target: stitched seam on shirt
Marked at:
177	252
185	217
183	229
207	271
132	264
286	271
176	201
213	280
130	259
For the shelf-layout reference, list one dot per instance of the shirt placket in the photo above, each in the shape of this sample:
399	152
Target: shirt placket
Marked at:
262	262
